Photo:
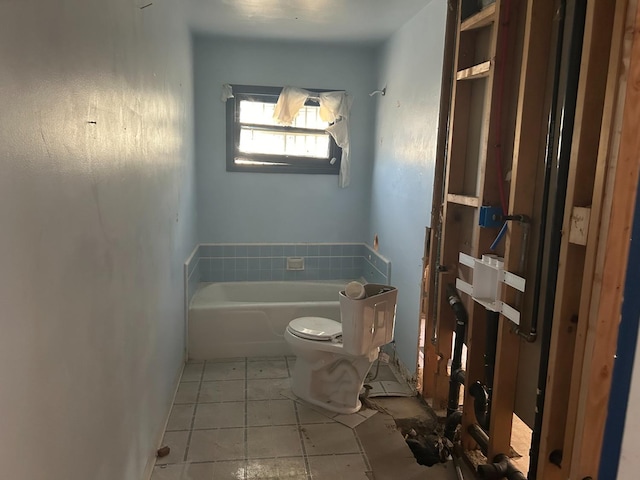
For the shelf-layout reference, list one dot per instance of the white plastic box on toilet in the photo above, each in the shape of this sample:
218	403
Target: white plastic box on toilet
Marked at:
369	322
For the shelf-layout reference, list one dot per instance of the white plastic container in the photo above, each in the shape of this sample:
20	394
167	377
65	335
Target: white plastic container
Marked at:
368	323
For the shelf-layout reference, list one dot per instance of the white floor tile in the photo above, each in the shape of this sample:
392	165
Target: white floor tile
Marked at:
211	445
192	372
267	369
180	418
329	467
270	412
177	442
265	442
224	371
277	468
329	438
228	470
187	392
307	415
226	391
266	389
219	415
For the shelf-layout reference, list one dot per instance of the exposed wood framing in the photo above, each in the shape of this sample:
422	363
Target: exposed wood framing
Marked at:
432	364
529	135
575	272
601	188
603	309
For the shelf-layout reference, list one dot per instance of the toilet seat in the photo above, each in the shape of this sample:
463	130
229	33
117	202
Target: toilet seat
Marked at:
316	328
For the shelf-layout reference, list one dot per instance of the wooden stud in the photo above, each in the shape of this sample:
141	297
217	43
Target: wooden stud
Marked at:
529	134
605	307
477	71
567	346
483	18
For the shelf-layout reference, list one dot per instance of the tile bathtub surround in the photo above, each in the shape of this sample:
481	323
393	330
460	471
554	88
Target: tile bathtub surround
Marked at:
259	262
236	419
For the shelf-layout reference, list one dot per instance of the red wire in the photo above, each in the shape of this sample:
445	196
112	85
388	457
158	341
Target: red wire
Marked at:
501	72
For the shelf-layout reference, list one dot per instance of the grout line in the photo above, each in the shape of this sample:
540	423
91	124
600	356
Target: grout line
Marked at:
195	409
362	452
300	436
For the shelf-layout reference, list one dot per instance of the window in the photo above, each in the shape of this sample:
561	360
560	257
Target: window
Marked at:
257	143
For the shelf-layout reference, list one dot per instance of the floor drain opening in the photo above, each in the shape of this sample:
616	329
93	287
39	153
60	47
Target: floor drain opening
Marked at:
426	440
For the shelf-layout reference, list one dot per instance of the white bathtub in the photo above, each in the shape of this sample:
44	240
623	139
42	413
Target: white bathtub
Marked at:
248	319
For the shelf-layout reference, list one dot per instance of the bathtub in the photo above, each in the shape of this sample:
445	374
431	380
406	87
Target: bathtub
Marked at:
248	319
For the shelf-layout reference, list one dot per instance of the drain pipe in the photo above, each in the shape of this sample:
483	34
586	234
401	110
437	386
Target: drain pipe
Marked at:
480	392
500	468
457	374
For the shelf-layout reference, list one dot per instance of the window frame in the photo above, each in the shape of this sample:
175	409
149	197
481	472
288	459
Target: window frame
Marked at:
292	164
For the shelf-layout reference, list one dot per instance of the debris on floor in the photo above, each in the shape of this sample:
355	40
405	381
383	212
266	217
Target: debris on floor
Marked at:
163	451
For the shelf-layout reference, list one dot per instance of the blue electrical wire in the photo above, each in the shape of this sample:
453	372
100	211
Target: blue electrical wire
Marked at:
496	242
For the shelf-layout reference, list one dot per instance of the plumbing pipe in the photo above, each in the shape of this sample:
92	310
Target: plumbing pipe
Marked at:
482	392
481	404
451	424
456	363
480	436
501	468
573	22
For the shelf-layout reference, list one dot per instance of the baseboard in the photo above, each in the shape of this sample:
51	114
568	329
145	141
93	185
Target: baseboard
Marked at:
151	461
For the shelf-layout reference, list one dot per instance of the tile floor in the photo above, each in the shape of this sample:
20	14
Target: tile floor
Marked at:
237	419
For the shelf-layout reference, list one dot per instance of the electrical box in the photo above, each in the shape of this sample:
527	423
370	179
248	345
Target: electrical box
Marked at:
490	217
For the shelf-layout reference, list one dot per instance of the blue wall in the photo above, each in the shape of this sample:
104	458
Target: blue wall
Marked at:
255	207
406	128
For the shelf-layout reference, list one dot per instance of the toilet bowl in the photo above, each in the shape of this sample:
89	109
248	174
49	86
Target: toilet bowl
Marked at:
333	358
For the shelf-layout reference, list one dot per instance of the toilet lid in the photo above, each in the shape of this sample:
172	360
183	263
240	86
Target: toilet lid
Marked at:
316	328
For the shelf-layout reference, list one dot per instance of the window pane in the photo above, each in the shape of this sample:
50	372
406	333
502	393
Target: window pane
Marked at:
261	113
284	143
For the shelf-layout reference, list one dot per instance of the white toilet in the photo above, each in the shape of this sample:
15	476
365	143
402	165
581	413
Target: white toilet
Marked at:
333	358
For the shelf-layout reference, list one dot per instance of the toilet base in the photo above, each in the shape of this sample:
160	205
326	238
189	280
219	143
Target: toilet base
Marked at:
333	382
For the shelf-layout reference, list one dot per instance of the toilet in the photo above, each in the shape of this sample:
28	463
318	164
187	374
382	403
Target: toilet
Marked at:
333	358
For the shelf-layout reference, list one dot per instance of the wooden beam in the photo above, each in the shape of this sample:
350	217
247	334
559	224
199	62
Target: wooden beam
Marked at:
574	273
480	70
483	18
605	307
529	134
463	200
430	368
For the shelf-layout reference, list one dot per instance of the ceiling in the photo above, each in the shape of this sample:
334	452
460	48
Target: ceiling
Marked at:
357	21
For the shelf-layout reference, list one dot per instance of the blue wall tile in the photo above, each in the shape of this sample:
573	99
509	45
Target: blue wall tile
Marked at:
322	262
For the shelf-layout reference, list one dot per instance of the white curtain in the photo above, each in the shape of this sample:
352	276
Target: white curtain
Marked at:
334	108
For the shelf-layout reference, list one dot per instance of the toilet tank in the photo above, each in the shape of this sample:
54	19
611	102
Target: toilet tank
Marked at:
368	323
